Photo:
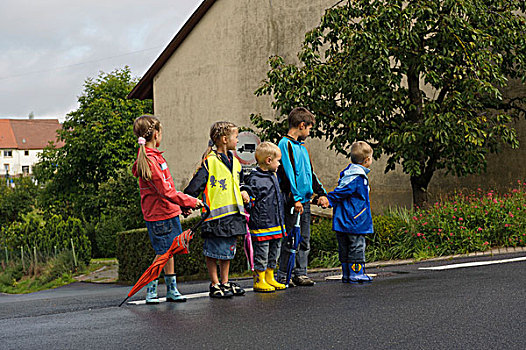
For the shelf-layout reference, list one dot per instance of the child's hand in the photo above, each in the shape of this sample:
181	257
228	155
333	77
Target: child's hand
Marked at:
186	212
298	207
245	196
323	202
199	204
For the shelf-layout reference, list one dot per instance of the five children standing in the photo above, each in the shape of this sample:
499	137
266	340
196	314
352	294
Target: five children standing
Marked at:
284	179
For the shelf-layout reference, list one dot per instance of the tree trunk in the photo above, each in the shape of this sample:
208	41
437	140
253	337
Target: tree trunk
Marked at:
420	195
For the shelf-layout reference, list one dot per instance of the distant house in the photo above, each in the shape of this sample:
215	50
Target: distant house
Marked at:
21	141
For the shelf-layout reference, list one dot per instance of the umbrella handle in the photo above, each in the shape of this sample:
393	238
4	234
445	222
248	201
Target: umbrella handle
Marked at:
207	208
298	219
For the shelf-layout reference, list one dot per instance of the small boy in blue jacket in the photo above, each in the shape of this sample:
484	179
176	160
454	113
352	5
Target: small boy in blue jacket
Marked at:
267	219
352	218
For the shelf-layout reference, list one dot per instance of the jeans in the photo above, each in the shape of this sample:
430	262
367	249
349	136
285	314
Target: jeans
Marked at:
302	256
266	254
162	233
351	248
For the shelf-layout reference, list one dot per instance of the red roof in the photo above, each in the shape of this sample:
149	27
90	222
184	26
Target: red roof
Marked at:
28	133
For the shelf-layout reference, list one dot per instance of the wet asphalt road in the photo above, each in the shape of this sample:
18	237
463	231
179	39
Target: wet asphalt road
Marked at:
405	308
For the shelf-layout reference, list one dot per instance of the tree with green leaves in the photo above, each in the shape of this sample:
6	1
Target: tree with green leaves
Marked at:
422	80
98	140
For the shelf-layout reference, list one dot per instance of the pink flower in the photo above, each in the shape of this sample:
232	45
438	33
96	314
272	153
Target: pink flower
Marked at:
454	217
506	225
460	219
479	229
451	234
485	243
511	215
439	230
419	234
415	218
425	223
495	201
475	207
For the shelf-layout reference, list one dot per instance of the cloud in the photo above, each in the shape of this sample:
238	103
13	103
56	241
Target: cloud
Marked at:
49	48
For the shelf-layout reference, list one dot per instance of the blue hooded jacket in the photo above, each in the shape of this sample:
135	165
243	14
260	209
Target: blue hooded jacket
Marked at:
350	202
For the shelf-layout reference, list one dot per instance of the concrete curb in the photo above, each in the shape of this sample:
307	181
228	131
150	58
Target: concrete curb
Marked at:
108	274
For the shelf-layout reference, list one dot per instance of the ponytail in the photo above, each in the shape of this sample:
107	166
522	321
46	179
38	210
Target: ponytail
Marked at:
143	128
143	164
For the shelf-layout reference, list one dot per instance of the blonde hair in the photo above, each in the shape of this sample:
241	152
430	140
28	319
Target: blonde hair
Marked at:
218	130
144	126
266	149
360	150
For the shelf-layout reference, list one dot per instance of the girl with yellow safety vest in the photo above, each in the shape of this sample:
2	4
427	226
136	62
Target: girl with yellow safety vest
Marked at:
218	181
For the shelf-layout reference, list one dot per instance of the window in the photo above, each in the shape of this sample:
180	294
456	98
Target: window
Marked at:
6	168
25	169
8	153
26	153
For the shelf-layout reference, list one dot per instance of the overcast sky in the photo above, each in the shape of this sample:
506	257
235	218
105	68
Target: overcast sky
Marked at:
49	48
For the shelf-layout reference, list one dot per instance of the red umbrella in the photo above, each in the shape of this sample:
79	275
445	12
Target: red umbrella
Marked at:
179	246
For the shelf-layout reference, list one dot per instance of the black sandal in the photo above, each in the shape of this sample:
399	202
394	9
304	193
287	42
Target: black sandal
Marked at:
217	291
234	288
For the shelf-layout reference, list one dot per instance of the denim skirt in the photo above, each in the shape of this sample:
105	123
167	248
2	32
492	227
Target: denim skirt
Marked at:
162	233
222	248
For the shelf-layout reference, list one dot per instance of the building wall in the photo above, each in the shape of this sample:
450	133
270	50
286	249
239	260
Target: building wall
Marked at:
17	161
213	75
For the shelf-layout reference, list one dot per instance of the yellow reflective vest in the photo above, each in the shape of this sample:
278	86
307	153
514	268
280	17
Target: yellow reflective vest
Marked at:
222	193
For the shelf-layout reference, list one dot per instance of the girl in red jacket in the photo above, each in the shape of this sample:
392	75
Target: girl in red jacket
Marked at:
160	202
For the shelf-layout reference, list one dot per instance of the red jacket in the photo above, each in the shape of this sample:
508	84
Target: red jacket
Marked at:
154	206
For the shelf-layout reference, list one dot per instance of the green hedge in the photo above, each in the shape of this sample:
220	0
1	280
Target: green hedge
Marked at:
135	254
47	236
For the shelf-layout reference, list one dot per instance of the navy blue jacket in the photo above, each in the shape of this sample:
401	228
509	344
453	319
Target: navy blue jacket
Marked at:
267	219
350	202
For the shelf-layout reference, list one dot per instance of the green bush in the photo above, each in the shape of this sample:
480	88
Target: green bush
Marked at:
470	222
47	236
135	254
118	201
17	201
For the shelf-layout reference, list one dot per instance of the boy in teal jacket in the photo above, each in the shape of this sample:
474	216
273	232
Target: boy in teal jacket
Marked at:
298	182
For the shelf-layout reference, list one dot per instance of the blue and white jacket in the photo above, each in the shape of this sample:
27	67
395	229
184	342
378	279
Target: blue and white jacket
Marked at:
350	202
267	219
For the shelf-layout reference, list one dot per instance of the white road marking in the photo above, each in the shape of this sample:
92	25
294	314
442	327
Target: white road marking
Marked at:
339	277
187	296
472	264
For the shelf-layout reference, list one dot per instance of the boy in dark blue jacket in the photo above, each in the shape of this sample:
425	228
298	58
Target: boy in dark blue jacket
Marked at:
352	218
267	220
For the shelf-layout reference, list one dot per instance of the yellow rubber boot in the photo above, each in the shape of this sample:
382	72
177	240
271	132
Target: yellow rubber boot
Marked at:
260	285
269	278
